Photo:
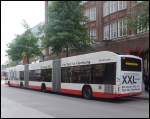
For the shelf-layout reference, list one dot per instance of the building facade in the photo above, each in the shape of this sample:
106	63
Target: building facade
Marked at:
108	29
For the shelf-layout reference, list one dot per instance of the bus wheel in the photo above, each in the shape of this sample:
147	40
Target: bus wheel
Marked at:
8	83
21	84
87	92
43	87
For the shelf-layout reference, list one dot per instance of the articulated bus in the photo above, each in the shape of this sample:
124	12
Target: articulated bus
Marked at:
101	74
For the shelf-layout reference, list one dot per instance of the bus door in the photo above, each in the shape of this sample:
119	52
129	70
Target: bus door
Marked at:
109	77
56	75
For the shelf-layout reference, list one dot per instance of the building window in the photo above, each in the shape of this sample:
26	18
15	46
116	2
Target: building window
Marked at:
140	28
115	29
122	27
93	33
110	7
91	13
87	13
113	6
106	32
122	5
83	2
119	5
106	9
139	1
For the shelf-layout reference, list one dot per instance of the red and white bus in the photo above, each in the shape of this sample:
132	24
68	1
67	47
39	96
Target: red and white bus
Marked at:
101	74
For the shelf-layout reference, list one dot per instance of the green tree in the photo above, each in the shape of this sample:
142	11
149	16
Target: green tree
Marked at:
65	30
25	43
139	16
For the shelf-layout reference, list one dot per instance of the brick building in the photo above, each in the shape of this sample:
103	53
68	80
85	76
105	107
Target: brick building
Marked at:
108	29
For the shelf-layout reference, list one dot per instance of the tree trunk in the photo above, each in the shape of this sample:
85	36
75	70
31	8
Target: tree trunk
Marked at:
25	59
46	51
67	51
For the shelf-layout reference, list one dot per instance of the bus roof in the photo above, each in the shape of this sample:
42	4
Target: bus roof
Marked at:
41	65
131	56
83	59
90	58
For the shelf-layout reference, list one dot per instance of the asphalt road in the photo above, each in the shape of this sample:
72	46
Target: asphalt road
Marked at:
19	103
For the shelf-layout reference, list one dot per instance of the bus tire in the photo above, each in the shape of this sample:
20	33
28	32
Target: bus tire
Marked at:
87	92
43	87
8	83
21	84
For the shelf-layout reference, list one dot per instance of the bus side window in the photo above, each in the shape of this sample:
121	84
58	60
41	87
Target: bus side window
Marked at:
85	74
34	75
21	75
65	74
98	74
75	74
103	73
110	73
46	75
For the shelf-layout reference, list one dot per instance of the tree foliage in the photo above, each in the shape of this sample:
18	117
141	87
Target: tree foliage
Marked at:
25	43
139	16
65	29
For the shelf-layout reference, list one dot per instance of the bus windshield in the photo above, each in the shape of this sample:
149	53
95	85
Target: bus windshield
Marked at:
130	64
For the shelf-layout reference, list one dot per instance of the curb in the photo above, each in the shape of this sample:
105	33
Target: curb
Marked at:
144	96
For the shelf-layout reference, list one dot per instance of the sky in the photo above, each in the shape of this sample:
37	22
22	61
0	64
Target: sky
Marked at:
12	15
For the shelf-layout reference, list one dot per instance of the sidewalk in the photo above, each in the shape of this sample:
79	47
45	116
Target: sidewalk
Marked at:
144	95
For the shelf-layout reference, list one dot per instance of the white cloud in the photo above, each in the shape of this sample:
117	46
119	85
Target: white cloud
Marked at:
12	15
